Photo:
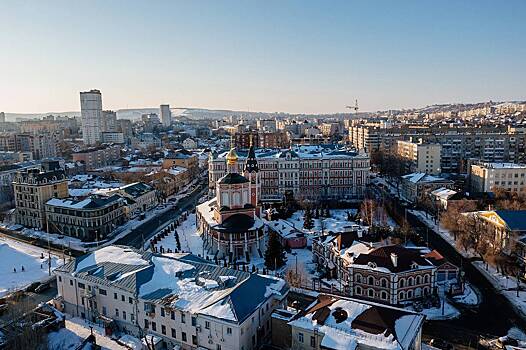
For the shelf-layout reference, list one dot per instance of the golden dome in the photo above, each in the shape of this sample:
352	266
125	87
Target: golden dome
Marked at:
231	157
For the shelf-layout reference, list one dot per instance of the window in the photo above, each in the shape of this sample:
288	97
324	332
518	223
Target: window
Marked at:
370	293
162	311
172	315
300	337
71	282
123	298
130	300
132	318
194	339
115	296
218	347
183	336
370	280
81	285
104	311
402	282
312	341
207	325
194	321
154	326
59	279
102	291
163	329
384	282
174	334
146	323
124	315
183	318
228	330
117	312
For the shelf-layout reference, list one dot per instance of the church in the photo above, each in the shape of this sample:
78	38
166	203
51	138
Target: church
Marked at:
230	223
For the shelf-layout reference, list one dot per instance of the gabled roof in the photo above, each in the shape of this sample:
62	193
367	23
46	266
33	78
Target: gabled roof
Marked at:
382	258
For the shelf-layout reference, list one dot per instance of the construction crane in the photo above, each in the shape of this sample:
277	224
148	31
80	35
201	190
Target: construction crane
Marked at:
353	108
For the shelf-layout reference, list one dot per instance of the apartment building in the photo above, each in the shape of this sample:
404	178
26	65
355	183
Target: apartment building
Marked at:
90	219
141	197
98	157
185	300
421	157
486	177
39	145
182	158
488	144
33	188
415	186
304	172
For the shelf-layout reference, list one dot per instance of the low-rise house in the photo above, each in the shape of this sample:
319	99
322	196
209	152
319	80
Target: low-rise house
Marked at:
89	219
289	236
417	185
443	196
336	323
389	274
185	300
169	181
143	197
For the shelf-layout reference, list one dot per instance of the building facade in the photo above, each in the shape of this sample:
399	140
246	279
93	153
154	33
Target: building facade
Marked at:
90	219
98	157
186	301
166	115
422	157
91	116
303	172
487	177
32	189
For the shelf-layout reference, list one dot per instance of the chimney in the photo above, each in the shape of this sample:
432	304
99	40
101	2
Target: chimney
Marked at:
394	259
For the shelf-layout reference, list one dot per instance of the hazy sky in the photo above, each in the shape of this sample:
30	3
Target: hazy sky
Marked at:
290	56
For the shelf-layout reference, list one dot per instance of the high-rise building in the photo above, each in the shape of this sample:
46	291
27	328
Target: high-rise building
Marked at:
91	114
109	121
166	115
2	117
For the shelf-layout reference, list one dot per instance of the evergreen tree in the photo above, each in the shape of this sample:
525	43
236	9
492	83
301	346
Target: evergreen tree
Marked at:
308	223
274	255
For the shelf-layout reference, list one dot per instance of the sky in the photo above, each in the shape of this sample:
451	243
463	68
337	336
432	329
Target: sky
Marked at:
271	56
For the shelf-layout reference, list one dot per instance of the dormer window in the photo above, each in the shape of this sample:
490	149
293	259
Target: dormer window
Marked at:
372	265
414	266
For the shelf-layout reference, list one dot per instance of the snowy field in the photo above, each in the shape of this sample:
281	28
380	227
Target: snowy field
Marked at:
75	332
14	255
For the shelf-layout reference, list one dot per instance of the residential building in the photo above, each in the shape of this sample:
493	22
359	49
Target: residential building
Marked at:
33	188
109	121
189	144
166	115
90	219
321	172
7	175
389	274
230	223
141	197
182	158
187	301
91	116
10	157
169	181
98	157
335	323
416	186
487	177
421	157
113	137
268	125
2	117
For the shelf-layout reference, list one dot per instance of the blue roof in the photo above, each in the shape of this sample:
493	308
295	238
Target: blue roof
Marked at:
515	219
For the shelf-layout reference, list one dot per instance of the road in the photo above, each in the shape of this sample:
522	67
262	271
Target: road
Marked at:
146	230
493	317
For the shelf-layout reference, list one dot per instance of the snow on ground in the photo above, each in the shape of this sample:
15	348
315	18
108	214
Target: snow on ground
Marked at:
470	296
75	332
15	254
436	314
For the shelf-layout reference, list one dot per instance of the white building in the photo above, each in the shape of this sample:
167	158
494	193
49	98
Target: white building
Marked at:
91	116
486	177
304	172
423	157
185	300
166	115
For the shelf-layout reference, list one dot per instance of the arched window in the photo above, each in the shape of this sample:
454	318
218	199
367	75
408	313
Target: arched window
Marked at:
426	279
409	294
358	278
370	293
410	281
383	282
418	280
401	296
370	280
383	295
426	291
358	290
402	282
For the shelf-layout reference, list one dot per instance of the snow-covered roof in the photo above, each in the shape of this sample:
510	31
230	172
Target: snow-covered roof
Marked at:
182	281
352	324
422	177
299	151
444	193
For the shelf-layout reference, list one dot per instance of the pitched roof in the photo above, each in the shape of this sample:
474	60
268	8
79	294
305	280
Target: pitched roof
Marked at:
381	257
232	178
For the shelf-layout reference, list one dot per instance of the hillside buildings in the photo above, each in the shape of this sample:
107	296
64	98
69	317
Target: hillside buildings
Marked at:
303	172
487	177
185	300
91	116
33	188
230	223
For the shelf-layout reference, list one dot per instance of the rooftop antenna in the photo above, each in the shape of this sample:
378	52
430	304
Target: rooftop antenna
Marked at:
353	108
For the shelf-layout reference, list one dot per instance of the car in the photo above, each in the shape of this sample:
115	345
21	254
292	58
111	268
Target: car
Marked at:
42	287
441	344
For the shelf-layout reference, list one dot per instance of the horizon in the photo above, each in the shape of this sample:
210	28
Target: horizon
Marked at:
293	57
